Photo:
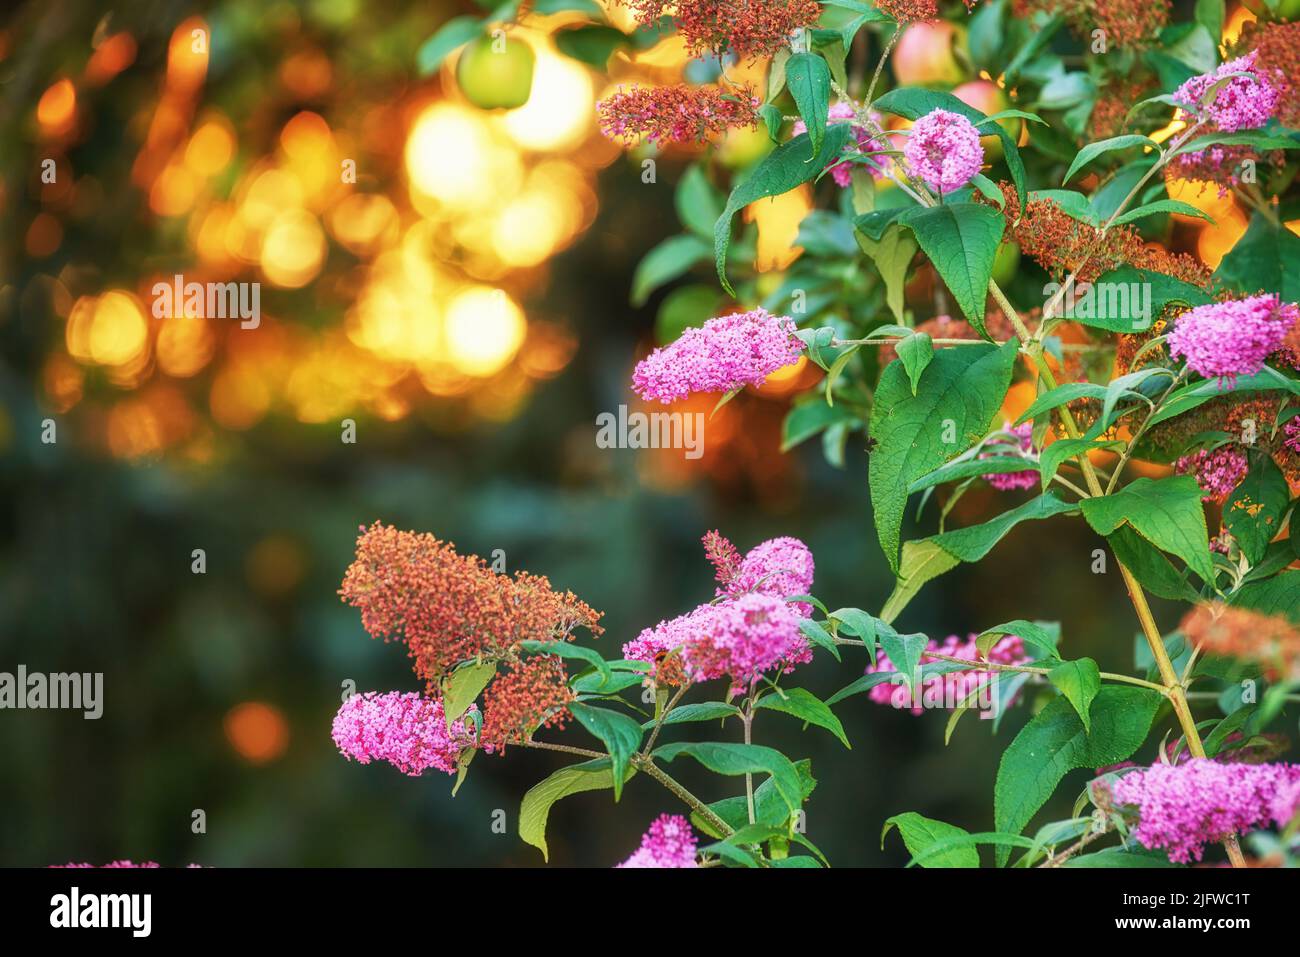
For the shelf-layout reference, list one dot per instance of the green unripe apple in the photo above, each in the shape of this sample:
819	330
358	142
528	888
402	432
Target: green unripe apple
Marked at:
496	72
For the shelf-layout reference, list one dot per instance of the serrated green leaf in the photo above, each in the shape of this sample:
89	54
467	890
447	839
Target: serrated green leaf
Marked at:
809	80
922	833
463	687
733	759
803	704
1167	512
537	803
1101	147
620	734
1079	681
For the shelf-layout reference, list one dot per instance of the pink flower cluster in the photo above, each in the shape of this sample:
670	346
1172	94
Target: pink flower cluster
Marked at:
670	842
1183	808
1286	804
1010	481
1242	103
407	730
1226	339
740	637
724	354
1217	472
1292	432
781	567
944	150
955	686
842	170
148	865
1220	165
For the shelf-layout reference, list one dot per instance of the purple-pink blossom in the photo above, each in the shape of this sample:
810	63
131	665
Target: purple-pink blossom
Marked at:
1244	102
1286	804
949	689
1182	808
1223	340
740	637
1291	431
781	567
842	170
726	353
407	730
670	842
944	150
1010	481
1217	471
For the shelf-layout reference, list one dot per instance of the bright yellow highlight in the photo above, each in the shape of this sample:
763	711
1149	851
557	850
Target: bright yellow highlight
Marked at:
484	329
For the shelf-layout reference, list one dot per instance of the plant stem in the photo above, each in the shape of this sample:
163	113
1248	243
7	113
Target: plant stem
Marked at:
749	735
658	726
690	800
567	749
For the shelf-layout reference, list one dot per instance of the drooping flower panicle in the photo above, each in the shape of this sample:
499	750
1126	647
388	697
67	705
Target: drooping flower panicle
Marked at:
1217	471
1270	641
674	114
1011	481
1182	808
527	695
780	567
1223	340
726	353
669	842
1237	96
746	28
944	150
407	730
954	687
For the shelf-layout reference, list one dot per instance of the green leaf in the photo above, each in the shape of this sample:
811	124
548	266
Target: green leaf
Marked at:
920	834
1049	462
958	395
947	845
916	351
1061	395
1079	681
1149	566
922	561
892	253
1210	14
1166	512
1265	259
702	711
1117	857
808	418
1279	595
964	467
1101	147
860	623
859	685
592	45
1253	512
733	759
809	80
697	202
1055	742
1198	393
769	807
1161	206
1119	299
913	103
961	240
536	806
972	543
789	165
665	262
620	734
451	36
463	688
803	704
904	651
1041	639
818	635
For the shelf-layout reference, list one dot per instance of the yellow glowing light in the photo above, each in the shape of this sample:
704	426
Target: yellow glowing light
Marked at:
529	228
362	221
1203	196
174	191
240	396
293	249
184	347
1175	125
453	158
1214	241
484	330
110	330
268	194
134	429
57	107
211	148
187	55
559	111
1236	21
778	222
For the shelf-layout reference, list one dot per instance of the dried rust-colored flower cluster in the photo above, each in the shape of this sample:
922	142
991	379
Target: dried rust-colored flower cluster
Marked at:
1277	46
675	114
1270	641
910	11
1124	23
747	28
450	608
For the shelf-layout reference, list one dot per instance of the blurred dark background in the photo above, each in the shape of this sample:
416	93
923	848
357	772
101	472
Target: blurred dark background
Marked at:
220	687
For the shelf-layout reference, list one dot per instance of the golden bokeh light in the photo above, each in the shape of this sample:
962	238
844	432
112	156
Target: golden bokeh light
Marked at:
293	249
484	330
56	110
560	109
257	731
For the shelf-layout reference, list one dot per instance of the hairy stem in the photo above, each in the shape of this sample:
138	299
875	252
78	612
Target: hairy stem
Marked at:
686	797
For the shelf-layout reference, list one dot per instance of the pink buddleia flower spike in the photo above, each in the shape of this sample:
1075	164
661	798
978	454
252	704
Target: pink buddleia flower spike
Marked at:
1010	481
953	688
722	555
406	730
726	353
944	150
1223	340
780	567
669	842
1244	102
1217	472
1180	809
